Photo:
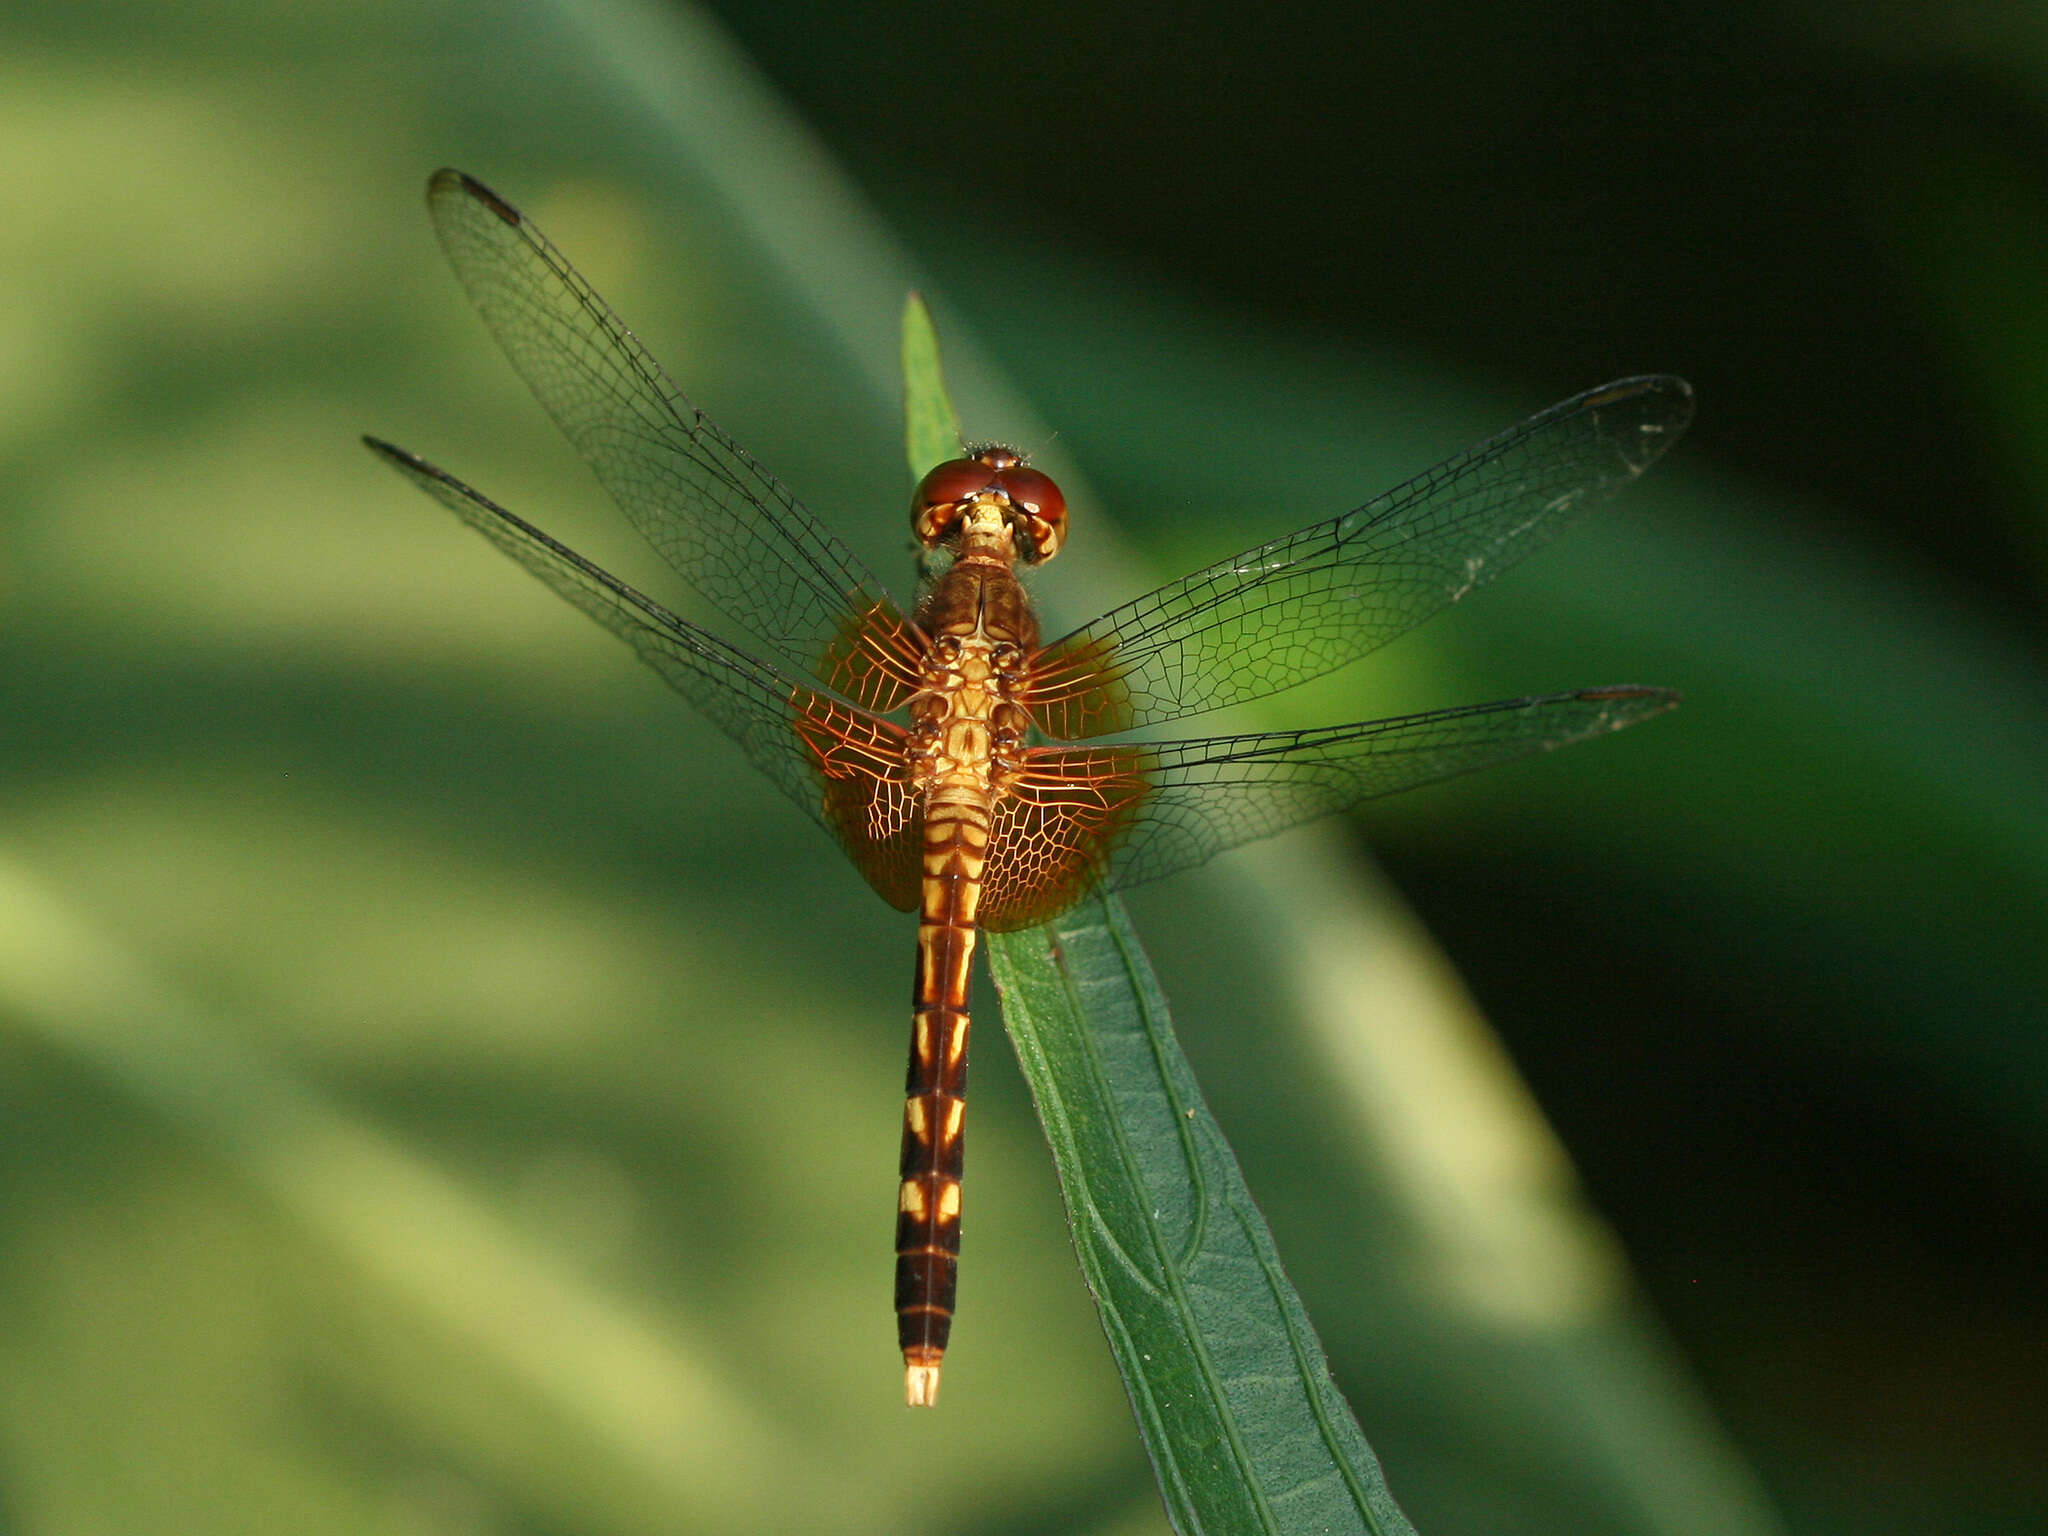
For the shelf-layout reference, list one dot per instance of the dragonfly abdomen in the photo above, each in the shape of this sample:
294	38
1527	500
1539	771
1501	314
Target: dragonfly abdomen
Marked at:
956	837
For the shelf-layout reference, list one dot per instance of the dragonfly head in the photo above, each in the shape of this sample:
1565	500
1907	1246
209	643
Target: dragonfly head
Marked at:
990	496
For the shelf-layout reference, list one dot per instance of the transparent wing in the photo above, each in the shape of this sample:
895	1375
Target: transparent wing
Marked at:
844	766
1293	609
731	529
1123	815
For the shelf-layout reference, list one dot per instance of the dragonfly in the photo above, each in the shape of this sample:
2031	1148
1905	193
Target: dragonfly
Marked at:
974	773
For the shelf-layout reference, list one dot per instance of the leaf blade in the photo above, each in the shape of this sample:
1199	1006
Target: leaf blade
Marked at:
1246	1429
931	428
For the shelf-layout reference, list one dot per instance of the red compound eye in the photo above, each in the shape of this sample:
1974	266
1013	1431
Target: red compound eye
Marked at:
1033	491
1039	511
1043	507
954	480
935	506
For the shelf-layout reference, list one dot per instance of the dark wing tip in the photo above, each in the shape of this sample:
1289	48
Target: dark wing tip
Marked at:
1642	416
390	451
407	462
1626	703
449	182
1629	691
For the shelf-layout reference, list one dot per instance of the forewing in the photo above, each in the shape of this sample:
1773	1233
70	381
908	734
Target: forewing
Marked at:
1293	609
731	529
844	766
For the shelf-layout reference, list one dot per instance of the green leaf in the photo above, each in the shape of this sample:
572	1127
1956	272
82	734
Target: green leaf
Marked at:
931	428
1245	1428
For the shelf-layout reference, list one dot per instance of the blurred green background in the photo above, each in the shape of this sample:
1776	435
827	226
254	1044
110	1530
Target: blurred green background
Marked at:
442	1092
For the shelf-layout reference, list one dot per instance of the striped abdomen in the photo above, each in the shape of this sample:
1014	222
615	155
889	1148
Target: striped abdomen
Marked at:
956	835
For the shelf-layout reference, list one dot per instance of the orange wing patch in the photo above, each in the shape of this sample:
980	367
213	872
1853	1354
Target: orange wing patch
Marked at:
1077	691
1055	827
874	658
862	768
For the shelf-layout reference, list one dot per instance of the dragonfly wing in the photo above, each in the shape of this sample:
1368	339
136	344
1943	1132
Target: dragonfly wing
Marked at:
1122	815
844	766
1054	827
1210	795
731	529
1293	609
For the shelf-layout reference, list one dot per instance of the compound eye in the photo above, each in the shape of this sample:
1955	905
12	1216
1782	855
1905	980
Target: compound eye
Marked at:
1032	490
954	480
1043	507
935	505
